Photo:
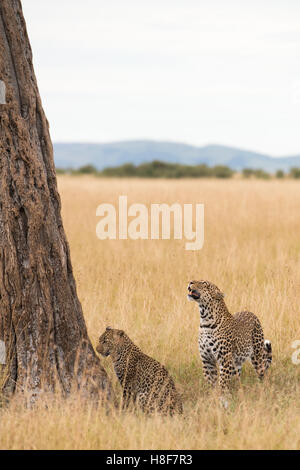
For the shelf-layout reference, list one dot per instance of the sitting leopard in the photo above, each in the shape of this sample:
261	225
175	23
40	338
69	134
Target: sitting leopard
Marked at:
227	340
143	379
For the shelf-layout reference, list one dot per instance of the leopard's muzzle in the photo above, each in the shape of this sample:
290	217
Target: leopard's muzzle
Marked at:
193	294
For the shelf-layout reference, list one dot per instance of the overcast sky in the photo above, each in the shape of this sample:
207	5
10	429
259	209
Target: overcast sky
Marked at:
193	71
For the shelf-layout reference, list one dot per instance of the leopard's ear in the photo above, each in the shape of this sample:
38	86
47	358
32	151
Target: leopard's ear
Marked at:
108	328
219	295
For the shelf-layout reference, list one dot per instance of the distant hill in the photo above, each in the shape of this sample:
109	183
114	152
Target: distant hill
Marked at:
75	155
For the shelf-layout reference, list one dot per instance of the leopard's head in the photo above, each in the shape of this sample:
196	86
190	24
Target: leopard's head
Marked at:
110	341
204	293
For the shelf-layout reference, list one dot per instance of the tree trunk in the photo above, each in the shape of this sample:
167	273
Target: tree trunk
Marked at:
41	323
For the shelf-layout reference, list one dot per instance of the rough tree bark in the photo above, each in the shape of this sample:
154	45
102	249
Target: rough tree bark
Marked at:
41	320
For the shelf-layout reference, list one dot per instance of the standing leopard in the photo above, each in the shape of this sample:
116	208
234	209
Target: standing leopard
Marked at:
227	340
143	379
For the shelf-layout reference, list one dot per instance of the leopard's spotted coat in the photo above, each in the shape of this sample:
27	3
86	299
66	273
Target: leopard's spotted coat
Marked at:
227	340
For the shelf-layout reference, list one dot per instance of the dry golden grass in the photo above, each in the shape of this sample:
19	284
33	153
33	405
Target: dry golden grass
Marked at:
251	252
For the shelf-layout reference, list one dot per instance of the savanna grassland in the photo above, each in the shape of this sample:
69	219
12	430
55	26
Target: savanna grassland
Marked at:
251	251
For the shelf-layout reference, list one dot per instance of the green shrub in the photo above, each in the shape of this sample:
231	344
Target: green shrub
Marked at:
87	169
221	171
279	174
261	174
61	171
247	172
156	169
295	172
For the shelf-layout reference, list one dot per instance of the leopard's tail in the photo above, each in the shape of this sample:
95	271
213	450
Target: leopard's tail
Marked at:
267	354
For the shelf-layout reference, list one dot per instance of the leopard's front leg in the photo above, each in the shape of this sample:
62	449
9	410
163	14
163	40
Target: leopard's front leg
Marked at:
227	371
210	370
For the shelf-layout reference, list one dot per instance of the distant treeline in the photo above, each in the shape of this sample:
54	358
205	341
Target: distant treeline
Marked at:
157	169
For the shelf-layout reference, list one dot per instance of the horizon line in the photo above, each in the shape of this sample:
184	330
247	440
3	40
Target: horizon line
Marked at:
175	142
